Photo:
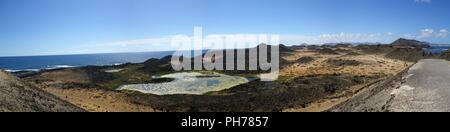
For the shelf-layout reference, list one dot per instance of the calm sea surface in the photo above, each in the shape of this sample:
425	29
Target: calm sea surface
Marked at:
35	63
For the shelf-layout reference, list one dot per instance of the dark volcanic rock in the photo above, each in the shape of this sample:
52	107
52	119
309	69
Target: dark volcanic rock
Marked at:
23	74
158	65
305	60
341	62
284	48
343	45
96	74
18	96
375	49
327	51
446	55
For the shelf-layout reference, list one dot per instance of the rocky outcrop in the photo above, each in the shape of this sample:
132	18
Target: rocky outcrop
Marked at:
446	55
18	96
158	65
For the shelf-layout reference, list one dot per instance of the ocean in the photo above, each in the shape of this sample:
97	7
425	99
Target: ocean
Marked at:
36	63
437	49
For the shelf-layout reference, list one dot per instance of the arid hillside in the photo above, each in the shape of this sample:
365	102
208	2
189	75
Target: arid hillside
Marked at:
17	96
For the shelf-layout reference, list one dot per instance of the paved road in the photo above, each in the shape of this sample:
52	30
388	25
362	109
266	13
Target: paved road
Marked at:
427	88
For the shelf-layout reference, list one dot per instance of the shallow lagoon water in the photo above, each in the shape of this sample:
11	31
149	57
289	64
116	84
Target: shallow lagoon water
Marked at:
188	83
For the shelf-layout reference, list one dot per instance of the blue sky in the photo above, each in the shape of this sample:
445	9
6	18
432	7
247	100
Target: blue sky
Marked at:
46	27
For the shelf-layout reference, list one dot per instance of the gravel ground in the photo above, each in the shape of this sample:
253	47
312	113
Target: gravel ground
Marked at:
16	96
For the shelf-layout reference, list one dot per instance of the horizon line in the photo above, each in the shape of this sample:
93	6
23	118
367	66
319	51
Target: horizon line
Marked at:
125	52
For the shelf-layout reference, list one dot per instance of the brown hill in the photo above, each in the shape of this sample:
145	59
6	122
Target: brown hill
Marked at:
407	54
409	43
164	64
18	96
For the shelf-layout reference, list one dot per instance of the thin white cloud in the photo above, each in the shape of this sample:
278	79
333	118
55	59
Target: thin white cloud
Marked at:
389	33
409	36
431	33
423	1
335	38
132	45
443	33
425	33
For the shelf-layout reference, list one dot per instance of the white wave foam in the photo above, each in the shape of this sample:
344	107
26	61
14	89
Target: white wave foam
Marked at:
12	71
58	67
37	70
